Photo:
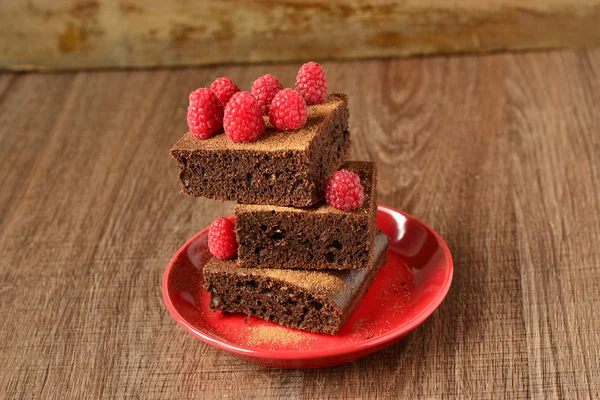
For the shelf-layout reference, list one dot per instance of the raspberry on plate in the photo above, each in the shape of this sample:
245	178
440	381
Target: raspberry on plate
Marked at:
243	121
221	239
224	88
311	83
204	114
264	89
344	191
288	110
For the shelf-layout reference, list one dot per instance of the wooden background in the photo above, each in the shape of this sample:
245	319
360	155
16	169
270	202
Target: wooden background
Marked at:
76	34
499	153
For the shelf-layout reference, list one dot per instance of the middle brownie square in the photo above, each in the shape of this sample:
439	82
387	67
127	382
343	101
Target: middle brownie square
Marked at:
319	237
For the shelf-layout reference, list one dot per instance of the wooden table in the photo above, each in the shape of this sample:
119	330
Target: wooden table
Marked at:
499	153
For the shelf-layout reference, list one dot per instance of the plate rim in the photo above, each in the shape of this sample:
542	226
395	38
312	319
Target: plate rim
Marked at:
376	342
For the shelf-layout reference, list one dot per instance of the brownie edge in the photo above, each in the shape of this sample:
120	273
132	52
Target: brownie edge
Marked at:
313	300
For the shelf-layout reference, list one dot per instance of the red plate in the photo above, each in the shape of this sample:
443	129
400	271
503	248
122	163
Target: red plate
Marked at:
407	290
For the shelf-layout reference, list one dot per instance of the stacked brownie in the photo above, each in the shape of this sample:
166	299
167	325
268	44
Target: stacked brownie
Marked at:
280	168
304	256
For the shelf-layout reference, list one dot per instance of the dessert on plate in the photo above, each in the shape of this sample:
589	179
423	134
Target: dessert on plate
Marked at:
303	248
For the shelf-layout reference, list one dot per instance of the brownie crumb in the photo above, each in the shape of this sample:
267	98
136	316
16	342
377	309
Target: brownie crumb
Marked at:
359	325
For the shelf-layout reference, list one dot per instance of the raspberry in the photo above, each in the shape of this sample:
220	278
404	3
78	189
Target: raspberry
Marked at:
344	191
288	110
224	88
264	89
204	114
311	83
221	239
243	119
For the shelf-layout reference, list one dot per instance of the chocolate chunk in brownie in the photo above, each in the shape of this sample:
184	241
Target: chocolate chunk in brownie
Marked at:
312	300
315	237
285	168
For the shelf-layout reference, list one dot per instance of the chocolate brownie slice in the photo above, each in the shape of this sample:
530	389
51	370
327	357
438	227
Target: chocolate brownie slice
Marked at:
285	168
316	301
315	237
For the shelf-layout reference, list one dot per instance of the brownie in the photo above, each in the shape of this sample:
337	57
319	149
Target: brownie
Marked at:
315	237
312	300
286	168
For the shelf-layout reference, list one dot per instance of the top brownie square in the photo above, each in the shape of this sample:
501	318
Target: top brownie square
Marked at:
286	168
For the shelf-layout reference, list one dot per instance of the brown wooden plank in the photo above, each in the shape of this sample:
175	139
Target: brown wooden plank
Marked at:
498	153
27	124
75	34
555	158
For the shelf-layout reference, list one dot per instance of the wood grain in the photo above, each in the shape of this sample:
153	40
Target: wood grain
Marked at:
83	34
498	153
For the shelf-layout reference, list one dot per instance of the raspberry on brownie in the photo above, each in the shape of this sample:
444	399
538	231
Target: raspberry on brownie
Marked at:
224	88
283	168
288	110
264	90
320	237
344	190
243	121
204	114
311	83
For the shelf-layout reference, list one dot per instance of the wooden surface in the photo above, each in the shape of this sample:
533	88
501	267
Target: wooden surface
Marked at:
75	34
499	153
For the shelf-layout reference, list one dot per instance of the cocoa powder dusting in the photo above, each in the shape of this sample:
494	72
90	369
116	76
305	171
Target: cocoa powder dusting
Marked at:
272	335
326	282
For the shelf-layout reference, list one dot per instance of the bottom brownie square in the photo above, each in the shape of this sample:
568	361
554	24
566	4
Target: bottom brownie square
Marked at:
313	300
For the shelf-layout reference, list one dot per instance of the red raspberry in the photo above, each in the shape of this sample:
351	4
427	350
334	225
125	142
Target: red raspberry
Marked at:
311	83
344	191
204	114
243	119
221	239
288	110
224	88
264	89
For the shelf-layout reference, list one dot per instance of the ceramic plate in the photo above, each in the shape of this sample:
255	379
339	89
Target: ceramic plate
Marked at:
406	291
